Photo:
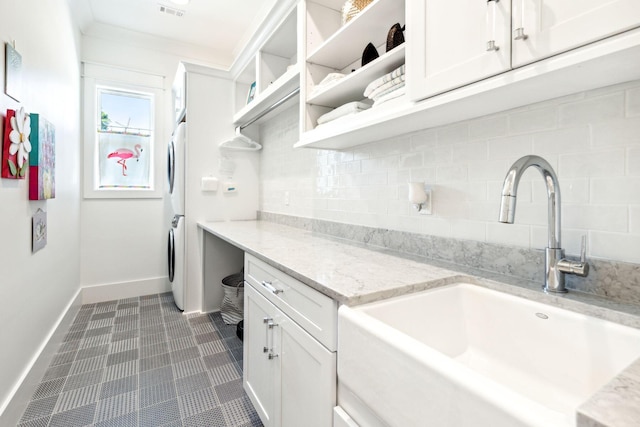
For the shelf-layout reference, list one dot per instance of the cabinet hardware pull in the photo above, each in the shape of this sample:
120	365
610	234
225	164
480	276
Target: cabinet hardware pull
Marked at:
269	348
518	33
491	25
271	288
266	322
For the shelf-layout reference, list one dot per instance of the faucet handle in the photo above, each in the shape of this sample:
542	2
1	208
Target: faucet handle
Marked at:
583	249
579	268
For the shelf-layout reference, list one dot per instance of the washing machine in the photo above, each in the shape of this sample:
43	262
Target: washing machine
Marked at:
175	251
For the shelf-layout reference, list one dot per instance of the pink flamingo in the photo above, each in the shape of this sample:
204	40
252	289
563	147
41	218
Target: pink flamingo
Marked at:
124	154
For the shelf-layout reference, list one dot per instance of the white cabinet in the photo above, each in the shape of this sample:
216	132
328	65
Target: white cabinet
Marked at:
448	49
554	26
289	375
451	45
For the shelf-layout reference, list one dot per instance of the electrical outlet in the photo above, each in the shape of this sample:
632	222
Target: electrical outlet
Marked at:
286	198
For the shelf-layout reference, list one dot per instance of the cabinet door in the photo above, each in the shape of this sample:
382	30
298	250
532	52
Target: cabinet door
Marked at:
554	26
308	378
260	372
448	43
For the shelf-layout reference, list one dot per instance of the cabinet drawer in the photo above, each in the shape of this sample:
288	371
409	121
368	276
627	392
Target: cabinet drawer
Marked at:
315	312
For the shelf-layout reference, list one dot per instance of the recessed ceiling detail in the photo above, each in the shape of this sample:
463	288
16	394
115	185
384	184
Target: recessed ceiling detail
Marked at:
221	28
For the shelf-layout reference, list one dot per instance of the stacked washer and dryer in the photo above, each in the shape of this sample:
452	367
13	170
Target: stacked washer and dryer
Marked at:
176	185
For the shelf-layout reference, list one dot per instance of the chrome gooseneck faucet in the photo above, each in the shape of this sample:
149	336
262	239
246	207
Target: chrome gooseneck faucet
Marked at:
556	266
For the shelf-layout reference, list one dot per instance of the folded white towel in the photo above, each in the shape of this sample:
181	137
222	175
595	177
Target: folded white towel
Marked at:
389	90
386	87
343	110
396	93
382	80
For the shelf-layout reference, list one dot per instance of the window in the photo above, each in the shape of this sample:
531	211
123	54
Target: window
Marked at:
125	139
122	158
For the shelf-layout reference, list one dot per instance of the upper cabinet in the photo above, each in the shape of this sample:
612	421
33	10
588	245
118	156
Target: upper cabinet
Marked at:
272	70
448	48
542	28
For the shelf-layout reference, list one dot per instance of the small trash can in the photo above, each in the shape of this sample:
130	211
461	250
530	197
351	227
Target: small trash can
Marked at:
232	309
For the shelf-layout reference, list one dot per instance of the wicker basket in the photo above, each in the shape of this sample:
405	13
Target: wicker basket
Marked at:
351	8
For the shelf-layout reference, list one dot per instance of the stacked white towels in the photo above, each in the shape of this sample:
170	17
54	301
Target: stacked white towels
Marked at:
344	110
387	87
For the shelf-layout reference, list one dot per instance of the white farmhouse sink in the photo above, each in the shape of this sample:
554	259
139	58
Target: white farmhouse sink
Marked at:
463	355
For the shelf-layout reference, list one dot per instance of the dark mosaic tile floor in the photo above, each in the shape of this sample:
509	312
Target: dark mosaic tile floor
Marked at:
139	362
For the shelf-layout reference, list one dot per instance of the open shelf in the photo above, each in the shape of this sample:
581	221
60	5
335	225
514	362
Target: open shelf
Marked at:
582	69
352	86
346	45
284	85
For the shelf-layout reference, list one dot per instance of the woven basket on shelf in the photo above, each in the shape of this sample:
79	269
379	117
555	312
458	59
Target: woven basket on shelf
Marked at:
351	8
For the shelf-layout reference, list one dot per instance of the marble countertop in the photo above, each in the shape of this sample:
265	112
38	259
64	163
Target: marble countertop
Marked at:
354	274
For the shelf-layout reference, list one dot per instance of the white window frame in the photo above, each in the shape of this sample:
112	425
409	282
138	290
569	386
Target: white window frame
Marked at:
95	76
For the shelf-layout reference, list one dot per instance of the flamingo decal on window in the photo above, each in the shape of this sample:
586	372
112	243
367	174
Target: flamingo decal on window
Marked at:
125	154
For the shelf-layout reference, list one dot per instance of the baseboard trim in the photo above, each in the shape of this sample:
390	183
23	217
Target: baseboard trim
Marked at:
12	409
121	290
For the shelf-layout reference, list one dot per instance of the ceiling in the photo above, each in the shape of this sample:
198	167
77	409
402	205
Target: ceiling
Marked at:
219	25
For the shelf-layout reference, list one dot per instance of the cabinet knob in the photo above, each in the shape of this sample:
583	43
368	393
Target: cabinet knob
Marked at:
518	34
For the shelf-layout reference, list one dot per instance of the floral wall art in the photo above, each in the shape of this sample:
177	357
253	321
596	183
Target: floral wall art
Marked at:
42	159
16	146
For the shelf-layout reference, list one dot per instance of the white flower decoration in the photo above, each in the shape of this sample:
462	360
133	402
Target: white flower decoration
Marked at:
19	136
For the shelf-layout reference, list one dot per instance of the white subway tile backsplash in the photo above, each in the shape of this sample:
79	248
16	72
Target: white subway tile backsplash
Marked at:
455	172
489	127
463	152
468	230
508	234
435	226
592	140
633	102
634	219
379	164
592	110
428	175
510	148
620	190
617	246
592	164
412	160
534	120
453	133
424	141
490	170
616	132
602	218
559	141
633	161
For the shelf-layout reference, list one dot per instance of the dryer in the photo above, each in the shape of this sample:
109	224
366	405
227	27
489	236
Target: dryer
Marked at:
176	168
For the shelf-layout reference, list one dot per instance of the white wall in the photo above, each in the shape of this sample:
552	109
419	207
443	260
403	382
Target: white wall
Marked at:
36	288
591	139
124	241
